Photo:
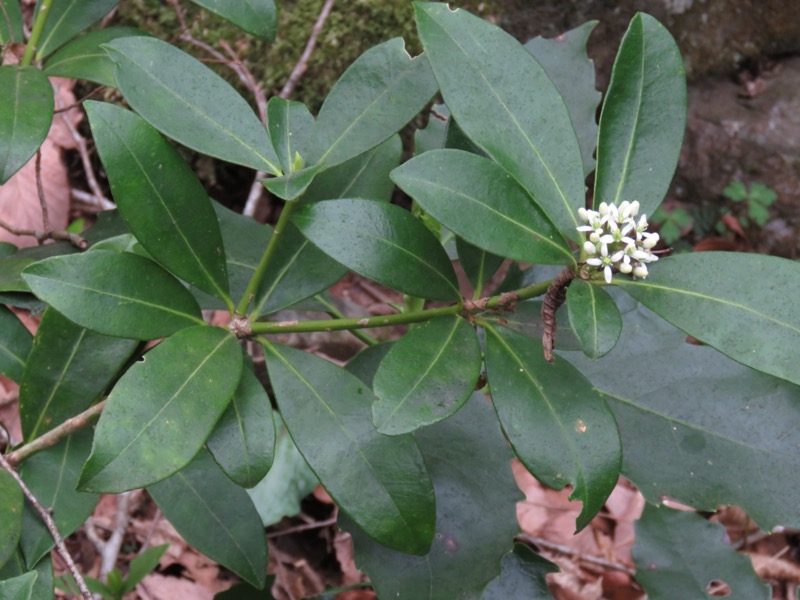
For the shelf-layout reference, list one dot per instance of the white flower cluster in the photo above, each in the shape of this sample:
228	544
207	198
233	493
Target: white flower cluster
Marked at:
617	241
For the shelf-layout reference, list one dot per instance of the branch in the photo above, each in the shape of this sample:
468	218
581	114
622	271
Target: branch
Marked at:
51	527
567	551
302	64
41	236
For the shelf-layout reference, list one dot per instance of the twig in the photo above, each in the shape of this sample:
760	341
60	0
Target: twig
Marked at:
51	527
151	531
302	64
91	202
42	236
40	190
78	103
299	528
111	548
52	437
567	551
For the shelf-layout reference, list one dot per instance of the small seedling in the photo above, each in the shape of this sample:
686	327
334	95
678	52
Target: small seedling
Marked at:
755	202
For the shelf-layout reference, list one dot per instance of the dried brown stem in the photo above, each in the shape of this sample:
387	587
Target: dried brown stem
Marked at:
302	64
51	527
556	296
40	190
299	528
42	236
97	196
567	551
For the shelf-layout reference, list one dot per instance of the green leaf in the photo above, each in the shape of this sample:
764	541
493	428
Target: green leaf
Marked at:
15	345
758	213
26	111
643	118
560	427
243	441
523	576
762	194
434	134
114	293
257	17
161	83
735	191
162	410
698	427
594	317
484	71
365	176
732	301
427	376
19	587
478	199
52	475
678	554
364	365
83	58
375	97
379	481
289	187
161	199
527	320
68	370
11	22
215	516
67	19
244	591
290	127
382	242
42	587
470	464
479	265
142	566
565	61
289	480
11	504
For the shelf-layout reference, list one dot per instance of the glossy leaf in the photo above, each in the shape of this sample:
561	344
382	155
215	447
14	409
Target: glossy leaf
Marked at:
11	22
52	475
161	199
142	565
379	481
11	503
479	265
477	199
26	111
114	293
678	554
68	370
572	72
382	242
716	432
594	317
291	126
427	376
67	19
215	516
161	83
43	585
364	365
365	176
470	464
375	97
737	303
291	186
560	427
483	71
19	587
243	440
162	410
523	576
15	345
257	17
643	118
83	58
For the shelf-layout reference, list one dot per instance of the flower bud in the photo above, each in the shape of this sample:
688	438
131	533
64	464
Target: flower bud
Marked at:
640	272
589	248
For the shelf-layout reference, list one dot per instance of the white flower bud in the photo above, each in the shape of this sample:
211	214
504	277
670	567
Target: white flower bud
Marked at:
640	272
603	208
635	208
650	241
625	268
594	236
589	248
583	214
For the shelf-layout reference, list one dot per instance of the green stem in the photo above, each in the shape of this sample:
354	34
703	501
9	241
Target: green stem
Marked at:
261	269
335	312
36	33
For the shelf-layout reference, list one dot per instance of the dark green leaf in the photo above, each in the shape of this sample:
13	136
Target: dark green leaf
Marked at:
43	587
382	242
477	199
476	497
258	17
215	516
565	61
380	481
365	364
427	376
738	303
523	576
68	370
678	554
594	317
290	127
289	187
142	566
11	22
484	71
643	118
162	410
375	97
19	587
160	198
244	591
83	58
478	264
15	345
52	475
243	441
26	111
527	320
365	176
67	19
114	293
560	427
161	83
11	503
698	427
433	135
